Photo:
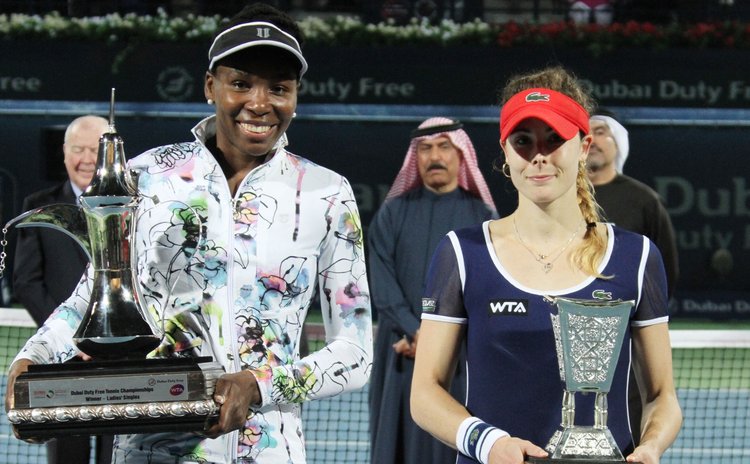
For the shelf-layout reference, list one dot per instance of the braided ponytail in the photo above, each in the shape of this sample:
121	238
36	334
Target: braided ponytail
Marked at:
590	252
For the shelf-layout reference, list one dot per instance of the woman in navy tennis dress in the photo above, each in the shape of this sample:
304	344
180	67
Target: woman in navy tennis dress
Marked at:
491	287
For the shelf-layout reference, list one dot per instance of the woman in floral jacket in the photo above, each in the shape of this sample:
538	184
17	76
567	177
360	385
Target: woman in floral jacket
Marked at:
278	230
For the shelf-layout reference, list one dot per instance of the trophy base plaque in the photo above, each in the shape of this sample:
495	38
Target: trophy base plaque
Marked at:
115	397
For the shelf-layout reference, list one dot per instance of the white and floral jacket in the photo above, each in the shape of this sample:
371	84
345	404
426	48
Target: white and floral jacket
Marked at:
243	296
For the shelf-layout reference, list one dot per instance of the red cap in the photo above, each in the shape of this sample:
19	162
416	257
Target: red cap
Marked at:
563	114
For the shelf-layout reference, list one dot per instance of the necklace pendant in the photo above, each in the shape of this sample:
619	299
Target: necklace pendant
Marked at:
547	267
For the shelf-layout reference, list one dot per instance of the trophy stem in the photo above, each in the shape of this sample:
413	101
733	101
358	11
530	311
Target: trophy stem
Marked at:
568	408
600	410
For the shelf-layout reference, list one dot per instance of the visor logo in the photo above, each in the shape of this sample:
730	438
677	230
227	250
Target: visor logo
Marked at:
537	96
264	32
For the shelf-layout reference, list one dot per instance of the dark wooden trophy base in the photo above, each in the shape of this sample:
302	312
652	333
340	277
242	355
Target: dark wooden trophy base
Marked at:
71	409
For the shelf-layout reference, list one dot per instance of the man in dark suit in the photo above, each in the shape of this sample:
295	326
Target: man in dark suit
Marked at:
48	264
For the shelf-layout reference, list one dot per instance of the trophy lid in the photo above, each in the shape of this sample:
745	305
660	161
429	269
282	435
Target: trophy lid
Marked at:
111	178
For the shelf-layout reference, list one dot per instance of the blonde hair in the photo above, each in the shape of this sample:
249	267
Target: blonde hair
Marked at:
591	251
594	245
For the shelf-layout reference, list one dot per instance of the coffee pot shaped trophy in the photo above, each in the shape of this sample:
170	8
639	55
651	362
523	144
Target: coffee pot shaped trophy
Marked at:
588	339
120	391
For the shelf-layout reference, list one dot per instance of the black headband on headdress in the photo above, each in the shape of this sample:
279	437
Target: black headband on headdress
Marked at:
455	125
253	34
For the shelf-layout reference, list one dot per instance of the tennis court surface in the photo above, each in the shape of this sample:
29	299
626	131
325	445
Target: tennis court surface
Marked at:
712	374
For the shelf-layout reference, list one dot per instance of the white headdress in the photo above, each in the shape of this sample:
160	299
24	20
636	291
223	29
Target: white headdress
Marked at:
620	134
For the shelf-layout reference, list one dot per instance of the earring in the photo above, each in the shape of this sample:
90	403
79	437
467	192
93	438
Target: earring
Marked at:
294	115
506	170
210	101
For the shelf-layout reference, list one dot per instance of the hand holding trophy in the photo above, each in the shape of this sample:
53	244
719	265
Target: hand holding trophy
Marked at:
120	390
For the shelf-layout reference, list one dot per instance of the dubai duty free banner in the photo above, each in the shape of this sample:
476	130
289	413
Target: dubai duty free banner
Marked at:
418	75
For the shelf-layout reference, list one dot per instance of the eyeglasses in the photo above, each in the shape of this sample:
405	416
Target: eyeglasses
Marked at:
77	149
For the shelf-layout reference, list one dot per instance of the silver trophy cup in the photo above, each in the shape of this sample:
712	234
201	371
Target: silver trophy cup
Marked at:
120	391
588	338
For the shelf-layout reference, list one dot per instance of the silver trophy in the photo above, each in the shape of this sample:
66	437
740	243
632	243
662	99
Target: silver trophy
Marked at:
588	338
120	391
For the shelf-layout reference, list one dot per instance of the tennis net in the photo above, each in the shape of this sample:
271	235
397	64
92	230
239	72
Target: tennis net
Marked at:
712	375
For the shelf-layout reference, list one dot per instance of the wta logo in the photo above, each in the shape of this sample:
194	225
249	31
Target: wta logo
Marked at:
537	97
176	390
508	307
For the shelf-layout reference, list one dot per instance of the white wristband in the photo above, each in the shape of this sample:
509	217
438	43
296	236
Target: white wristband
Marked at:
475	438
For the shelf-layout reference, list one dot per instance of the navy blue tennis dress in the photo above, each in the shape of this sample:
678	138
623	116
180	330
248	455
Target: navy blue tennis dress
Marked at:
513	375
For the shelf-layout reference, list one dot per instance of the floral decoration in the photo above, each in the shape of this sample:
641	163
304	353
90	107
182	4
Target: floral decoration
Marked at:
343	30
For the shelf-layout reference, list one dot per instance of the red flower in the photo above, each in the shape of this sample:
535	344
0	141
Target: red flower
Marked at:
599	39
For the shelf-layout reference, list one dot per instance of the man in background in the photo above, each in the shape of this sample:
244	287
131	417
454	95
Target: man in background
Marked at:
439	188
626	202
48	264
629	204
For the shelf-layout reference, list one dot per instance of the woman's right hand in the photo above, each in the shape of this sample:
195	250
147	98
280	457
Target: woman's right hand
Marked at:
511	450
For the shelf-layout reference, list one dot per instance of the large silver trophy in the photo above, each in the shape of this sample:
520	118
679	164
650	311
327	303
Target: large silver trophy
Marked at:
120	391
588	338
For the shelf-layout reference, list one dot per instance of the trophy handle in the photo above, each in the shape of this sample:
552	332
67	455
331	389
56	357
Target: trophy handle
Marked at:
67	218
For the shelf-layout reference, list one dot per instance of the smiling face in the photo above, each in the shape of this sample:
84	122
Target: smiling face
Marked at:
543	166
439	161
81	147
256	95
